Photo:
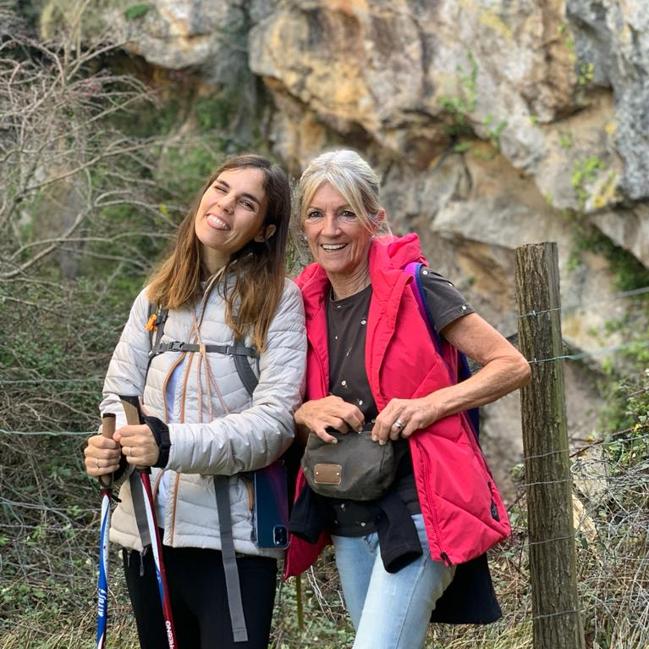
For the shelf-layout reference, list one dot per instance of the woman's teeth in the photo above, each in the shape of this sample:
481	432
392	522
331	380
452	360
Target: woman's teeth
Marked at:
217	223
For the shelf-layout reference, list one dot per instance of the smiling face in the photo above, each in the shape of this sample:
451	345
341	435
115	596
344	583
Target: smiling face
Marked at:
338	239
230	214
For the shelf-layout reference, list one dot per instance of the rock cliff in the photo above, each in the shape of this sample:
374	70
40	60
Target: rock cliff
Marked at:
492	122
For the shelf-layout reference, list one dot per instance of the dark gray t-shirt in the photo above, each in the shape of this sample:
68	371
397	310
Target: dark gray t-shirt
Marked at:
346	331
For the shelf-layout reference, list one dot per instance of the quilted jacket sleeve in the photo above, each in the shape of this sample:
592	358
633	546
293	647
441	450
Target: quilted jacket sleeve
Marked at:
257	436
128	364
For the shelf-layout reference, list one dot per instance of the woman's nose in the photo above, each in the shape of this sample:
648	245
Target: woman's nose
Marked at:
330	225
226	203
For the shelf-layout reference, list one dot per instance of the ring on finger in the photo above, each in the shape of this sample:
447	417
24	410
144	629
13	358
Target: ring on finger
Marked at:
97	464
398	424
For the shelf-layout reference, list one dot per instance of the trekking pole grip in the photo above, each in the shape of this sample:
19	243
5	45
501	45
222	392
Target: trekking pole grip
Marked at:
107	430
133	414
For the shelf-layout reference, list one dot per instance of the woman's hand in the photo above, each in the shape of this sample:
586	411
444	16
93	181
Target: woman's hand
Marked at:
503	369
138	444
402	417
329	412
101	456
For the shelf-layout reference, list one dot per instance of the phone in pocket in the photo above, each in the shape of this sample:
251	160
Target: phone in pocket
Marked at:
271	506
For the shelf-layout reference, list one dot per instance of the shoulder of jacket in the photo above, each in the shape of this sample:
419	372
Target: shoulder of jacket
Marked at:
141	305
290	303
291	289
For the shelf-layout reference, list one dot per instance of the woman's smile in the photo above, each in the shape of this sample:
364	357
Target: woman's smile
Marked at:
216	222
338	239
230	214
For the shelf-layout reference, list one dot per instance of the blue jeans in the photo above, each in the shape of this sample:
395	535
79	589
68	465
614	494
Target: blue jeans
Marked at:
389	611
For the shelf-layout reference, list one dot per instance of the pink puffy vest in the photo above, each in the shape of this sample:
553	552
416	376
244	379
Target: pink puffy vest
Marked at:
462	508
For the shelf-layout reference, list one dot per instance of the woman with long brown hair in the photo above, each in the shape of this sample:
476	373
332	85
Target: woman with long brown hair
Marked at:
218	304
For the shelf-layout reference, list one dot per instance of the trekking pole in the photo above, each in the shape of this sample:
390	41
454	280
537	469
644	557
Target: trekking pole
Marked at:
133	412
106	482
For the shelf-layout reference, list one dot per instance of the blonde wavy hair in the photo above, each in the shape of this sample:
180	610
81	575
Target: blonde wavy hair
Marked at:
352	177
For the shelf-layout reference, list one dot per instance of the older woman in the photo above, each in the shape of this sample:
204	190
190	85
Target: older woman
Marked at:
371	364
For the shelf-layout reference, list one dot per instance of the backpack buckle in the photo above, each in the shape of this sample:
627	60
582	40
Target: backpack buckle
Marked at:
176	346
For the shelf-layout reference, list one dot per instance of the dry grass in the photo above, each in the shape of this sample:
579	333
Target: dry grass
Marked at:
47	592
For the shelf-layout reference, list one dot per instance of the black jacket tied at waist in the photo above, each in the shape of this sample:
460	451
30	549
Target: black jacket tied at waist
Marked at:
469	599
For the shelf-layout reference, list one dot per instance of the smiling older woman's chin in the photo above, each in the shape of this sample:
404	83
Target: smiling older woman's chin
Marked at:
337	266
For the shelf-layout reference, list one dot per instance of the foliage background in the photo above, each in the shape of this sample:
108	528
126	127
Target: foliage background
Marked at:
100	155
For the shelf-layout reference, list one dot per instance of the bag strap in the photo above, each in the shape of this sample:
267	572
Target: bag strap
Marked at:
228	555
415	270
139	510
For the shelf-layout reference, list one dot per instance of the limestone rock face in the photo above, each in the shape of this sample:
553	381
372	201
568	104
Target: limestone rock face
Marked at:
628	229
417	76
398	68
492	123
613	39
179	34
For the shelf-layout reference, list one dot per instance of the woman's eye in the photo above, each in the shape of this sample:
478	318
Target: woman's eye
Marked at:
218	188
348	215
313	214
249	205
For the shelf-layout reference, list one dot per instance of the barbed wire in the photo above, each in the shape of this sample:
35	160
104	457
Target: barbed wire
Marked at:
588	305
640	431
48	433
603	351
90	379
540	616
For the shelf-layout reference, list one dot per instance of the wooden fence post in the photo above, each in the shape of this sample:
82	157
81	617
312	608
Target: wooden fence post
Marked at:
555	601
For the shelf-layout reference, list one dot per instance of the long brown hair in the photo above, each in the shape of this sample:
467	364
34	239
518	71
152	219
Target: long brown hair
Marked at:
258	268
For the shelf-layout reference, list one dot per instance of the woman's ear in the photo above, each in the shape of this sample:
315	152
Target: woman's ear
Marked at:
265	233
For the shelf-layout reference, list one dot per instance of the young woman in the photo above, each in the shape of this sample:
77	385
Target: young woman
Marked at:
223	285
371	365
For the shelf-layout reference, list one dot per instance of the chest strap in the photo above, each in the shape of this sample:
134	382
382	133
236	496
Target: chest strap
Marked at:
238	352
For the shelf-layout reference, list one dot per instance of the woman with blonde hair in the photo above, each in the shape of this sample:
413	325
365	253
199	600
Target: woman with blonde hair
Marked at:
409	524
223	304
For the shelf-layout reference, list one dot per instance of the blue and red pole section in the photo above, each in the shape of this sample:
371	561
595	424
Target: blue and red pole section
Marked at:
107	430
133	412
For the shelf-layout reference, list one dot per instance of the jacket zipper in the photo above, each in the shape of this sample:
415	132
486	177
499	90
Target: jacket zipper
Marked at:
172	516
174	500
493	507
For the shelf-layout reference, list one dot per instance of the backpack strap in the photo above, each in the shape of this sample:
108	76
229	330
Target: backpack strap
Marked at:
229	558
240	353
157	317
415	270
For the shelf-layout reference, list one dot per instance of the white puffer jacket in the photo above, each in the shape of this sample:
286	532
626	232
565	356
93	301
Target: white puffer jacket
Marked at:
251	433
